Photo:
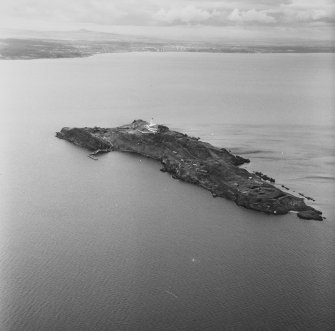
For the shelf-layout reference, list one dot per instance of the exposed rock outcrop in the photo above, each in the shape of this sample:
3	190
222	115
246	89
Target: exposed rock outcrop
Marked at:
193	161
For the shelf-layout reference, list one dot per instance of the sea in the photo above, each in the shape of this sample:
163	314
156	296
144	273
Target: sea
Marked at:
115	244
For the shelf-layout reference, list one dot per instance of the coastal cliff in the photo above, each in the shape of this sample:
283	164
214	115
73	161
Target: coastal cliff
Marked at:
193	161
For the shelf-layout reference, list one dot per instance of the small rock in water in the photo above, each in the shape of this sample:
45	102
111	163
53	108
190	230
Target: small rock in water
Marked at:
310	215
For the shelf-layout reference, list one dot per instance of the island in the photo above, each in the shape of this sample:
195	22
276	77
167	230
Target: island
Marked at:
194	161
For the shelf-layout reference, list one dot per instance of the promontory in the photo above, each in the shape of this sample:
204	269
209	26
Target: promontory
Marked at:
191	160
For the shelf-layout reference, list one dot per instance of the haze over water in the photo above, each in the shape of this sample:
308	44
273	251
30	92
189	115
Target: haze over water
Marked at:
116	244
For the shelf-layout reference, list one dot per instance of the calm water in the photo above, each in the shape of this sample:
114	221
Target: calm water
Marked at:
118	245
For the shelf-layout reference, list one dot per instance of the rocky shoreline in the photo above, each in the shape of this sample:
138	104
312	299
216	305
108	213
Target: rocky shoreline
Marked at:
193	161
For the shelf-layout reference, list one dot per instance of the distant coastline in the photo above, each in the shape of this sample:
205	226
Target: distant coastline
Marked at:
36	48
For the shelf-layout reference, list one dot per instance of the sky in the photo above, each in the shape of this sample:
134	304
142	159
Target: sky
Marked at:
186	19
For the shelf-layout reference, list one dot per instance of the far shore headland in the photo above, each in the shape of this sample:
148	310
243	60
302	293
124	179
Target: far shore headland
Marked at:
38	48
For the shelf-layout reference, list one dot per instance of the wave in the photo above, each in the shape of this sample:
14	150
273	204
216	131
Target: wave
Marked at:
318	177
236	150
